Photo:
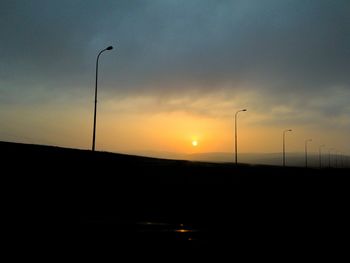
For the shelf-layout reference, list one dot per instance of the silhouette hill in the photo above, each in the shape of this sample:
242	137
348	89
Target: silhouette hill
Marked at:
112	197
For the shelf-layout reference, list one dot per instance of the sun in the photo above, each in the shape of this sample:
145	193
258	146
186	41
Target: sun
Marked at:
194	143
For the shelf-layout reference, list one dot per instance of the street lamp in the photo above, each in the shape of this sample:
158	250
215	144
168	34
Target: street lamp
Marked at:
284	146
306	141
341	160
329	157
320	155
337	163
94	129
236	133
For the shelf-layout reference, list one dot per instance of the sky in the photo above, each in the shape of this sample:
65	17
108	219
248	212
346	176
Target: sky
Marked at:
178	73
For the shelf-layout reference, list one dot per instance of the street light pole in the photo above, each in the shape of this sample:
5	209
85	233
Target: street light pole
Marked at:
95	109
284	147
306	141
337	163
236	134
329	157
320	155
341	160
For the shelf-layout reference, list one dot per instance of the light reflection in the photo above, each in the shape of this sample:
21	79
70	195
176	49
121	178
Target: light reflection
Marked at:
183	230
167	227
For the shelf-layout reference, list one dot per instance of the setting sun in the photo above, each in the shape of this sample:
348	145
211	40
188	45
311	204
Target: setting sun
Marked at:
194	143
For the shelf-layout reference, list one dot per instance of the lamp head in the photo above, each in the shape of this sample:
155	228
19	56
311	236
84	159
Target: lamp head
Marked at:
109	48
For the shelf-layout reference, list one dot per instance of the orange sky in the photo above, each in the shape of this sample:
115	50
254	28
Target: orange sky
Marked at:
131	126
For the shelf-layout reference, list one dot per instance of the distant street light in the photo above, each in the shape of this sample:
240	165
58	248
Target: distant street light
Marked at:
341	160
329	157
284	146
236	134
320	155
337	163
306	141
94	129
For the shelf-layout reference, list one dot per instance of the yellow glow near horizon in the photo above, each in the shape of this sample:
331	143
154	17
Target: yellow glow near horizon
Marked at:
142	132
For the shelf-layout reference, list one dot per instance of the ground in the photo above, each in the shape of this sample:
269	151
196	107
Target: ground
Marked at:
108	199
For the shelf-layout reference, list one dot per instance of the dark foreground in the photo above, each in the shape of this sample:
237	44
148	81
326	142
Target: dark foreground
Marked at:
112	201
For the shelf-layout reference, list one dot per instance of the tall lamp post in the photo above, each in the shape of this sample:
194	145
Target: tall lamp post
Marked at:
306	141
320	155
337	163
284	146
94	129
329	157
341	160
236	133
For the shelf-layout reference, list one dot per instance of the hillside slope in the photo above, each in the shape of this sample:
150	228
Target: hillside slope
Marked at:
116	195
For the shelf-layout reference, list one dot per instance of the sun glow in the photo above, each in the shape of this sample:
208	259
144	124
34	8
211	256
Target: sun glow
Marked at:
194	143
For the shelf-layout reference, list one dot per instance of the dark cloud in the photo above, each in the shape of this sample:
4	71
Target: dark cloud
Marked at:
163	46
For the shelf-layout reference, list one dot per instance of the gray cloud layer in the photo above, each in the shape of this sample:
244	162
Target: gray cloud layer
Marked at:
276	47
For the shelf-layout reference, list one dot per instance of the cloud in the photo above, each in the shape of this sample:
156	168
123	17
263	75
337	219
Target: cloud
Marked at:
181	53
